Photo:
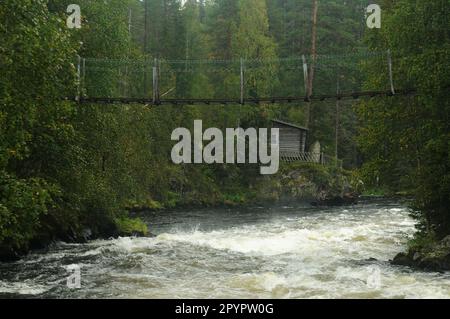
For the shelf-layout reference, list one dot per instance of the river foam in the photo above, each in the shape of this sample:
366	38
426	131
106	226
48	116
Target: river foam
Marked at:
284	252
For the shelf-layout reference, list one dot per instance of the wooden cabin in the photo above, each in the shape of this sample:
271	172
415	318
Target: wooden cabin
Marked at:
292	137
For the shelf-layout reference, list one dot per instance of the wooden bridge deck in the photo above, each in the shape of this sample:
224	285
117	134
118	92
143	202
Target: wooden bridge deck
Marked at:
292	99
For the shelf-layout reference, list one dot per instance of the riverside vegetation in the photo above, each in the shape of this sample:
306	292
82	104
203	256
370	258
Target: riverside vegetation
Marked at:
73	172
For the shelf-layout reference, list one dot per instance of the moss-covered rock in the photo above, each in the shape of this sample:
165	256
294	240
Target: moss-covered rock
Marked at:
427	254
131	227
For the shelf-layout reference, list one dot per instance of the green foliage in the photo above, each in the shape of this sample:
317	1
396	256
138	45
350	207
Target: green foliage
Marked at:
406	141
36	134
422	241
63	167
22	205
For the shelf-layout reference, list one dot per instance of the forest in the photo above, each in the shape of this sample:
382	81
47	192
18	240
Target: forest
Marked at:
66	166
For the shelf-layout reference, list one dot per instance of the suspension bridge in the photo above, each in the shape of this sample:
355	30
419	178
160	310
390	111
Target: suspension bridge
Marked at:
239	81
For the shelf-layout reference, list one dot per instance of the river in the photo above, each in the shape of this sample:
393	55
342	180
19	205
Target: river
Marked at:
292	251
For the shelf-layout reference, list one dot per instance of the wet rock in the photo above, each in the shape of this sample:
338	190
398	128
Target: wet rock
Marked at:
446	242
367	262
8	254
433	258
86	234
417	256
402	259
347	199
142	235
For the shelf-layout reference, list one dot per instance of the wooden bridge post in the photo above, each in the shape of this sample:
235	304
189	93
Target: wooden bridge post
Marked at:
391	77
336	127
78	96
242	100
305	75
155	83
83	80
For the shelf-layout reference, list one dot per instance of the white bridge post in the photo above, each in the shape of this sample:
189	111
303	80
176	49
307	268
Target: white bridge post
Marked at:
305	75
391	77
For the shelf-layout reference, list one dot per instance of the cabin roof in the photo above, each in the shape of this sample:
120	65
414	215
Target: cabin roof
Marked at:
290	125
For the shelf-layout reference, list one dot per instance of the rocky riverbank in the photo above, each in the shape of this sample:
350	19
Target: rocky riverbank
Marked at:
433	256
122	227
315	184
321	185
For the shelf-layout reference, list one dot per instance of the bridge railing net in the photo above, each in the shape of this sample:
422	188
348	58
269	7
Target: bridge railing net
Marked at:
347	74
116	78
222	80
199	79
